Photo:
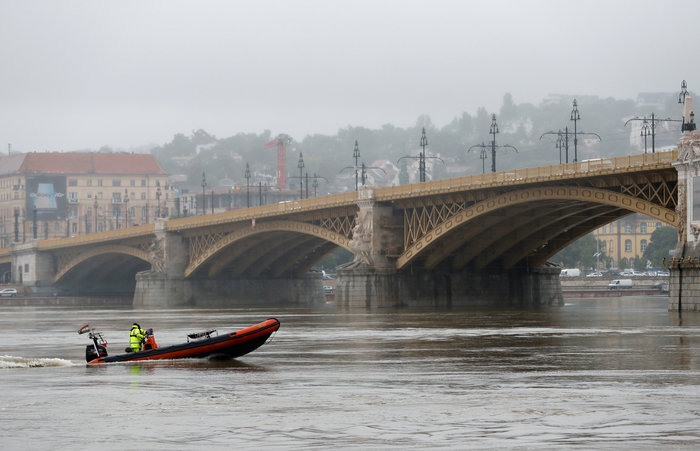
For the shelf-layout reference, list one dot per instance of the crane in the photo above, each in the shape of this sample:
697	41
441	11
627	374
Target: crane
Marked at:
281	142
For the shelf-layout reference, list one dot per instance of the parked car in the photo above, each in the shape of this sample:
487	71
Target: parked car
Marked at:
8	292
595	274
662	274
663	286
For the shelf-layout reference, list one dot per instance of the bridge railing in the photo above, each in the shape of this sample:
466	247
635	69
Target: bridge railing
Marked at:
55	243
292	206
586	167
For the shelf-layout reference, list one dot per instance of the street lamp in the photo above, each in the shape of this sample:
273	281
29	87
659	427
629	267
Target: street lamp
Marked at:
247	183
300	165
421	160
645	132
575	116
493	130
204	193
356	156
126	208
96	207
158	194
16	224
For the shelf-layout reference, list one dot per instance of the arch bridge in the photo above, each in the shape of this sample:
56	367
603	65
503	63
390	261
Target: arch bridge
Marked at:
498	224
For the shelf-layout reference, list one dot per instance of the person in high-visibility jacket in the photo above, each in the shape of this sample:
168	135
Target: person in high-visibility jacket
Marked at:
136	336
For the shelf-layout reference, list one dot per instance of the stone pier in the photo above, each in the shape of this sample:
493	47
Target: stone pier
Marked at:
684	267
372	281
165	285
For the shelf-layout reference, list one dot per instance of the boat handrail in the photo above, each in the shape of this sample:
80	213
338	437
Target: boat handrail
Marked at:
203	334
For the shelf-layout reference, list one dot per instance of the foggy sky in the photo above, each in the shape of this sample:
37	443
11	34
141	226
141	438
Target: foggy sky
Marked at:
83	74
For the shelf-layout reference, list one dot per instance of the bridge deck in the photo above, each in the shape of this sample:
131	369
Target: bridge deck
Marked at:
618	165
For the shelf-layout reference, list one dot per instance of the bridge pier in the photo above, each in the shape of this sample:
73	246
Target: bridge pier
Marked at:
684	286
372	280
156	290
360	285
165	285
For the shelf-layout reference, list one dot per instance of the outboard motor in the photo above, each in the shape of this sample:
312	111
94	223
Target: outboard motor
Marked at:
99	346
91	355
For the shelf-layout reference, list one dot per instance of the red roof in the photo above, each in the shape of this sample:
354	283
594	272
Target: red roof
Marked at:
90	163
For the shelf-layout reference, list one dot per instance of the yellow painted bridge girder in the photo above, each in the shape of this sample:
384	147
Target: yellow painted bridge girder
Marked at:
266	227
539	194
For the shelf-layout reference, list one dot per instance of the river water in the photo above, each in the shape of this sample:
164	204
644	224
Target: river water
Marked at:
596	373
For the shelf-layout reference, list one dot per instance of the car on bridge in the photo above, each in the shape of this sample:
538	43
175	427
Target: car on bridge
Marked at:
11	292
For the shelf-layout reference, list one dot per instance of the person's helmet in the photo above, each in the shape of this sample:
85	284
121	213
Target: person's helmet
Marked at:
137	325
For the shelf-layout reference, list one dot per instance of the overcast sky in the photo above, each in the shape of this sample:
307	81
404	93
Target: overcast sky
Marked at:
83	74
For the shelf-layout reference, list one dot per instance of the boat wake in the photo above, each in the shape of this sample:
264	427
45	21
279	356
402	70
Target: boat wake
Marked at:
8	361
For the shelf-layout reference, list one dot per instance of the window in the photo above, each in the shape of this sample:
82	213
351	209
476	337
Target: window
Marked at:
643	245
89	212
144	213
99	182
132	212
143	182
74	227
658	224
89	182
132	182
89	195
628	228
26	267
116	182
143	196
99	195
628	245
643	227
117	197
72	182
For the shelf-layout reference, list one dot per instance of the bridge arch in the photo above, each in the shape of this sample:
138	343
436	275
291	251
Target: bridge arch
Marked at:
587	195
82	257
290	227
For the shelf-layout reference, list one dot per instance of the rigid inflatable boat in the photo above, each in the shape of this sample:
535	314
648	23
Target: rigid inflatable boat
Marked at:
200	344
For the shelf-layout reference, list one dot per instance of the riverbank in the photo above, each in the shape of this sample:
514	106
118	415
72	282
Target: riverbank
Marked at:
88	301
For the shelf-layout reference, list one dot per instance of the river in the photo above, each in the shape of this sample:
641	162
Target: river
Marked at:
596	373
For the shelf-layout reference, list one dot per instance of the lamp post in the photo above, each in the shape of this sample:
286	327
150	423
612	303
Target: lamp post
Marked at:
34	222
356	156
300	165
493	130
575	116
421	160
247	183
126	208
560	145
96	209
645	132
16	224
158	199
204	194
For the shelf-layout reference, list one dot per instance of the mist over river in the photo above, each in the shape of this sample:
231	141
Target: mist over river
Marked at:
595	373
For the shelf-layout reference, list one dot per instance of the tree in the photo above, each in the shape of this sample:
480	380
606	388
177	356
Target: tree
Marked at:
663	239
578	254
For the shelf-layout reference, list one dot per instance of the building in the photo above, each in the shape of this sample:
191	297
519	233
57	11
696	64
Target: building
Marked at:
626	238
57	194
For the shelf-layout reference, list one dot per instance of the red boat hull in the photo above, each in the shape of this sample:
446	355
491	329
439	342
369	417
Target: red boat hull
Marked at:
234	344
